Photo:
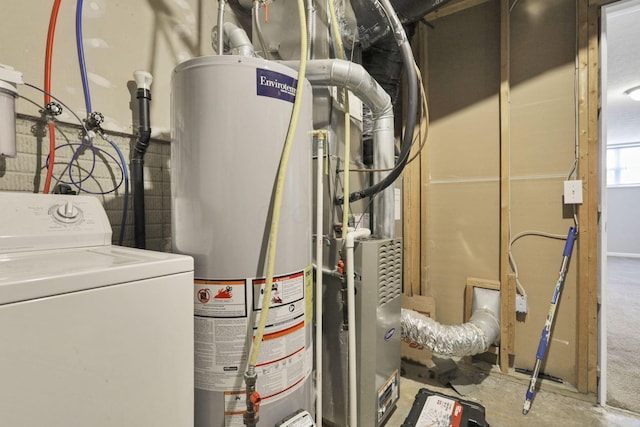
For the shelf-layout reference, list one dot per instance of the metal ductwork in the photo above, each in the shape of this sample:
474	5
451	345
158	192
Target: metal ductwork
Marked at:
474	337
372	21
349	75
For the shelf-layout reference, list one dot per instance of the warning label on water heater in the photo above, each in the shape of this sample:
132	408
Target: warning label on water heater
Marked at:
220	298
222	334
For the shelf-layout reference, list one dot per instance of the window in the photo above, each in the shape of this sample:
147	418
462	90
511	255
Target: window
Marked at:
623	165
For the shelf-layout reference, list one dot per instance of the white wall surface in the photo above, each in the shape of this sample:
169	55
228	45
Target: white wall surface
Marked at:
120	36
623	225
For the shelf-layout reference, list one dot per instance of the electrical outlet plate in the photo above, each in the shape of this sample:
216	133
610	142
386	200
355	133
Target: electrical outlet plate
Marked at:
521	304
573	192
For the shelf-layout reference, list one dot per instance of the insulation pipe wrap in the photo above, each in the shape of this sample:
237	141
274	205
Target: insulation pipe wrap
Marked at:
473	337
351	76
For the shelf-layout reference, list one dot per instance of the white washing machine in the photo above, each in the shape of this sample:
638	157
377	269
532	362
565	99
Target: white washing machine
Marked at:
90	334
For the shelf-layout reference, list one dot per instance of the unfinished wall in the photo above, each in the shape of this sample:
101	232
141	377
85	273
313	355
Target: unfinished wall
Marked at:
463	206
543	149
463	158
119	38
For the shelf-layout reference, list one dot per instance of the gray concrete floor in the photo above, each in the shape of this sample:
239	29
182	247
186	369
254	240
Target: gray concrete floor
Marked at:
503	395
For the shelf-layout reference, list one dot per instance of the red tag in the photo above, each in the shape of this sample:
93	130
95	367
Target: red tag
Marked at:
456	416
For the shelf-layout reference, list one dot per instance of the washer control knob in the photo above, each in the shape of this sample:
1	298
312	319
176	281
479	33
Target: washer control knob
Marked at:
67	213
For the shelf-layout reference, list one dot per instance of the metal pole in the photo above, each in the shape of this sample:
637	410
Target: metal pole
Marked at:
546	331
221	4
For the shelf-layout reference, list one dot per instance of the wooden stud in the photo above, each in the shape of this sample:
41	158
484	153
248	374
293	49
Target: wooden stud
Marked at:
504	181
412	204
423	33
583	217
588	259
593	207
598	3
411	227
453	7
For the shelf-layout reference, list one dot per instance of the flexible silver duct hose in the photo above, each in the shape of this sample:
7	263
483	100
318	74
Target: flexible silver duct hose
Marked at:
473	337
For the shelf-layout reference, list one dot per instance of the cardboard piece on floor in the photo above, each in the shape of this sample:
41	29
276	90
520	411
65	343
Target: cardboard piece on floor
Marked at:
463	385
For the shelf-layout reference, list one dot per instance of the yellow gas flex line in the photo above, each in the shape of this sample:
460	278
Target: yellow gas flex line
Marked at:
277	203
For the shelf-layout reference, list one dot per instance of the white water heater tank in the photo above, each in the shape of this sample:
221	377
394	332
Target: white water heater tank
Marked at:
230	116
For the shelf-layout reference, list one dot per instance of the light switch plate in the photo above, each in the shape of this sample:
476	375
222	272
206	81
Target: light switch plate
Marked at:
573	192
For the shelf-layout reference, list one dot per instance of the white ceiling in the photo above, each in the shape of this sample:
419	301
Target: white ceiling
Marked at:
623	71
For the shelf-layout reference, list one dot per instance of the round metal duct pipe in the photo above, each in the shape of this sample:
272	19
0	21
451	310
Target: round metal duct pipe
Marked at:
372	21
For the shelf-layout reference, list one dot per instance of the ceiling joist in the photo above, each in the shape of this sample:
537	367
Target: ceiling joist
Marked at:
453	7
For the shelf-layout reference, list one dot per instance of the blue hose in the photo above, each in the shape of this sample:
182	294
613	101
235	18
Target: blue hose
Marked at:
83	68
87	100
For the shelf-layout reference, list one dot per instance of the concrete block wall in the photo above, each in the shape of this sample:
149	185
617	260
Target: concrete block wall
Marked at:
27	172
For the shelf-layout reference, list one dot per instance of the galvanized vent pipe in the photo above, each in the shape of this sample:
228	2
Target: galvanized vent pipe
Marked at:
351	76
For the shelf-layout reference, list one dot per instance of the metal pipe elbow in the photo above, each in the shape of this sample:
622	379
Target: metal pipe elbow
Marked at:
239	42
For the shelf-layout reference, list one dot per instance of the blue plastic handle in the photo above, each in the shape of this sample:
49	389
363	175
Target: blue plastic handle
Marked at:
542	345
571	237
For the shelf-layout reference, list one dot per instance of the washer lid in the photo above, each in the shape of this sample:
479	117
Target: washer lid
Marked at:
29	275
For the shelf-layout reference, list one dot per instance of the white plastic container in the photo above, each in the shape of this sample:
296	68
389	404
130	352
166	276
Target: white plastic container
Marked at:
9	78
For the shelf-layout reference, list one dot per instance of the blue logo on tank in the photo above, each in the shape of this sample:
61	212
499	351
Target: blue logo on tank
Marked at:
275	85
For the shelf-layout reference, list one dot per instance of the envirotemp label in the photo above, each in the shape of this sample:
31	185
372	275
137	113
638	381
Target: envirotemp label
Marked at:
275	85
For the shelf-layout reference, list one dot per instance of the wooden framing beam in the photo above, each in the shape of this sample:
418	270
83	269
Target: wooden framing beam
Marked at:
411	227
594	197
598	3
506	310
587	295
413	221
424	169
453	7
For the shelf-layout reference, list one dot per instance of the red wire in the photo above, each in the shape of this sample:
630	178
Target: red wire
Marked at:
47	88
